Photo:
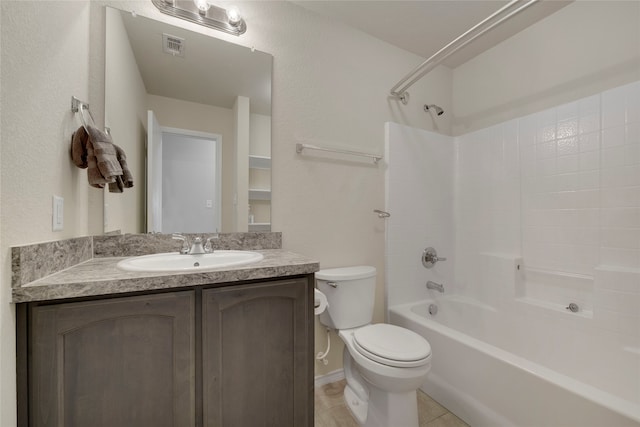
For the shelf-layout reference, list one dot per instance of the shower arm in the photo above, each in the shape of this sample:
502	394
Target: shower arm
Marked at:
400	89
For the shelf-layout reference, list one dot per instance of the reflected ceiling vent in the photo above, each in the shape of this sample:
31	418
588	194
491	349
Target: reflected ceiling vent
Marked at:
172	45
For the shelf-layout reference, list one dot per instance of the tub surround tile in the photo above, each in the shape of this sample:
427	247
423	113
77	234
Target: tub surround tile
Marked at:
33	262
66	269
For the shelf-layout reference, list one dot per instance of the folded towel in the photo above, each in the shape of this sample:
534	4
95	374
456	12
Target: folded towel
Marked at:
124	181
82	154
117	186
79	148
105	153
106	163
127	177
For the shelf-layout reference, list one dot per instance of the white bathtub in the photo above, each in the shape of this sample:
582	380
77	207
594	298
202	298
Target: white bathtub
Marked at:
488	386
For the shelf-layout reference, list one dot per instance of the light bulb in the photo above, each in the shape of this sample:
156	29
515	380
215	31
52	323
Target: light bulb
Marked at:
202	5
233	15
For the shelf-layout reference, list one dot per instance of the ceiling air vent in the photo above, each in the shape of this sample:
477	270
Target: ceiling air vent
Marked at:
172	45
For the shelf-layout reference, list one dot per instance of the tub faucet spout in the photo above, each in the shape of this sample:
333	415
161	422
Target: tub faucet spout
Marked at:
436	286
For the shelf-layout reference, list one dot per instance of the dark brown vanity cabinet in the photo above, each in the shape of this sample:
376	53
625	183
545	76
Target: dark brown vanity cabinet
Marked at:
115	362
258	364
227	356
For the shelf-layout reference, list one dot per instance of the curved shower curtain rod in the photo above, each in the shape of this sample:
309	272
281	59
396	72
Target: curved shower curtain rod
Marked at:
516	6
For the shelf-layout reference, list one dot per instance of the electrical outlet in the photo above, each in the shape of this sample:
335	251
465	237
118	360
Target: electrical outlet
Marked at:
58	213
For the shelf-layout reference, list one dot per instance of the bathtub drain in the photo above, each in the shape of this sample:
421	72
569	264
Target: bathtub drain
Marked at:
433	309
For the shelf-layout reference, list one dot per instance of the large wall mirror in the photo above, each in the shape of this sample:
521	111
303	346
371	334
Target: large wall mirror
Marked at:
193	114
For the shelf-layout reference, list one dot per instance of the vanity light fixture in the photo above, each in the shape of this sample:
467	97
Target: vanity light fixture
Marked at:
204	13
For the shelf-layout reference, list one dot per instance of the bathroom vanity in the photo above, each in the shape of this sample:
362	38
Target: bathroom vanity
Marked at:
228	347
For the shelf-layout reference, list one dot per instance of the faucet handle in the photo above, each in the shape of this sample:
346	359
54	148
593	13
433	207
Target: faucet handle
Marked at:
185	242
208	247
430	257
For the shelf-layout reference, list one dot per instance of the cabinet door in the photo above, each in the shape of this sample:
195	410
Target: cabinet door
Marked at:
257	355
125	362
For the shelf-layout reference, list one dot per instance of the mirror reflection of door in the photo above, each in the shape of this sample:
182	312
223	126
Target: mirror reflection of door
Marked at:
184	180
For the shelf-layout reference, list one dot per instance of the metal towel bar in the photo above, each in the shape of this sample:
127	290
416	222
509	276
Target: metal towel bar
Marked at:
78	106
514	7
300	147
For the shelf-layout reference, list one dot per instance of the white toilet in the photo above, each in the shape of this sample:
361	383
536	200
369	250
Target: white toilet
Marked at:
383	364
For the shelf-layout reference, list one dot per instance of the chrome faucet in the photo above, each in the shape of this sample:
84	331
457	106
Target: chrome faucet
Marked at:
195	248
435	286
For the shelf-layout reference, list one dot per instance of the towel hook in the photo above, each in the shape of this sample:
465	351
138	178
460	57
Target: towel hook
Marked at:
382	214
78	106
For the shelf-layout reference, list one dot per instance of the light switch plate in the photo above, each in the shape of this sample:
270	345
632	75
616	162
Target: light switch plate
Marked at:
58	213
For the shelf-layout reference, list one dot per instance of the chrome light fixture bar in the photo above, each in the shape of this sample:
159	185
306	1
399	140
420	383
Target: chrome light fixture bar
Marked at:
203	13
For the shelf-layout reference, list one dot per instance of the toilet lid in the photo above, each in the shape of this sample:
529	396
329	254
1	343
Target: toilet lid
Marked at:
391	345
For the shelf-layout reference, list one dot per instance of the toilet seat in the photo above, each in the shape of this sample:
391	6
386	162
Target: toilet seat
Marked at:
391	345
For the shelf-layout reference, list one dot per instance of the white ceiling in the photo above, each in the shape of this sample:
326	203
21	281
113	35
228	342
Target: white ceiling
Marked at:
212	71
425	26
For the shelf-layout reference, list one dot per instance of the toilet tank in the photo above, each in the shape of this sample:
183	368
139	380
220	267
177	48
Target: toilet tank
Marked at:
350	292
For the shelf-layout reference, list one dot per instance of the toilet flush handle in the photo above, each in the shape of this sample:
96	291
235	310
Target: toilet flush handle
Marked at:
332	284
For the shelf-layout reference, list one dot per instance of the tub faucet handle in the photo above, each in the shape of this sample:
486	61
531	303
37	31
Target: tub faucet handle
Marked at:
430	257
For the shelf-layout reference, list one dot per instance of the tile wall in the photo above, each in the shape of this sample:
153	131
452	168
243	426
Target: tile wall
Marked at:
560	187
558	190
420	195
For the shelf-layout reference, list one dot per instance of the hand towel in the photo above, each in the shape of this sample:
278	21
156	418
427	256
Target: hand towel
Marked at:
82	154
79	148
126	180
105	154
106	162
117	186
127	177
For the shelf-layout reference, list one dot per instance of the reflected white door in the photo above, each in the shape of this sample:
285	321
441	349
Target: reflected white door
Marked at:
184	180
154	174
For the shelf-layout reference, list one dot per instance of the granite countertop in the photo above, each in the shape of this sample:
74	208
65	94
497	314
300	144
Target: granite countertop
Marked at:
100	276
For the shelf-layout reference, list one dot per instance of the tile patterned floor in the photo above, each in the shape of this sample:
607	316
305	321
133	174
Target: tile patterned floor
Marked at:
331	411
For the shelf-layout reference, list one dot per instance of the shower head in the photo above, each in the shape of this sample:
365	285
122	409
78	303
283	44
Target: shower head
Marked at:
439	111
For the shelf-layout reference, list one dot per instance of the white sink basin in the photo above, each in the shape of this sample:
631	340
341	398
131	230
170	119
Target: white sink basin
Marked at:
175	262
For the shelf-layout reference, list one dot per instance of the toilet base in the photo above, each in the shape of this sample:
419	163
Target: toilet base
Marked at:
387	409
357	406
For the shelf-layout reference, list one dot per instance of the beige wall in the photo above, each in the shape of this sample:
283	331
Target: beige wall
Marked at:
260	135
44	62
583	49
125	113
